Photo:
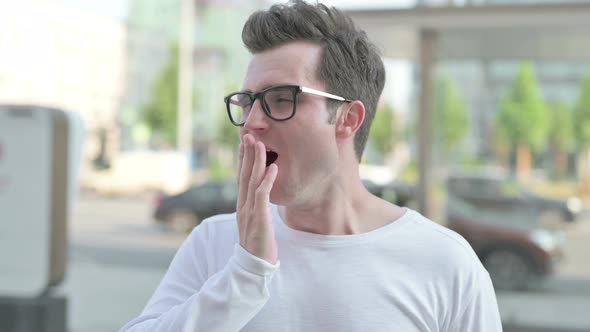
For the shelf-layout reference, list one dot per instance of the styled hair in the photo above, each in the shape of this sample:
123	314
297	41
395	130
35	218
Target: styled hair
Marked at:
351	65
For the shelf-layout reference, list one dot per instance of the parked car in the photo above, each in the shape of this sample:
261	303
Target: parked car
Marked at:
397	192
516	250
491	192
516	234
184	211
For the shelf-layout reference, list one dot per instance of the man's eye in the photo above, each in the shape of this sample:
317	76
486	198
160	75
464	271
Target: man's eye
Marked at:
246	104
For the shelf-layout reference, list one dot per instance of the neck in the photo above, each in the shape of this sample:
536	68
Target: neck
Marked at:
340	206
335	212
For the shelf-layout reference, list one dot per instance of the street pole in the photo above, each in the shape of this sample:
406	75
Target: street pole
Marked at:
185	77
428	41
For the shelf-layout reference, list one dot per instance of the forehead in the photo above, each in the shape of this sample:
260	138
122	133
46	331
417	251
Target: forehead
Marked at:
293	63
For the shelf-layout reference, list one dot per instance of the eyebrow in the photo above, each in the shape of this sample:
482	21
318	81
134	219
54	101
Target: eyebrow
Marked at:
268	86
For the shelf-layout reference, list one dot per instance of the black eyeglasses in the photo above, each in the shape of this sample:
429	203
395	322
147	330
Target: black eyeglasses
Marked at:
278	102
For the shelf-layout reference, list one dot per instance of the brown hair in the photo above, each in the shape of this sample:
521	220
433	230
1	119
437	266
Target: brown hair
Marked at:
350	67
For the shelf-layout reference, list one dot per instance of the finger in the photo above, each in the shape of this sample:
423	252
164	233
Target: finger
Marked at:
263	192
240	161
246	170
240	158
258	168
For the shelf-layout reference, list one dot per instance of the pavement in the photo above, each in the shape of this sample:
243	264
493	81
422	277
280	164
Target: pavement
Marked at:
103	298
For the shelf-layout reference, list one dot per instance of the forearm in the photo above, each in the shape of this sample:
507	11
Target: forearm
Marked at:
226	302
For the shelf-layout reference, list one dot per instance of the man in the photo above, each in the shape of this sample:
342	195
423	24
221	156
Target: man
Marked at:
310	249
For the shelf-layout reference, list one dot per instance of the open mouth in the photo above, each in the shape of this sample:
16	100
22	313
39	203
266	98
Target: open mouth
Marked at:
271	157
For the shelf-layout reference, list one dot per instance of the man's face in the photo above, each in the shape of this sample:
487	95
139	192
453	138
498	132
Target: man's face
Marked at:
305	144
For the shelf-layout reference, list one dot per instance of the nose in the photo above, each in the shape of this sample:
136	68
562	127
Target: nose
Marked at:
257	120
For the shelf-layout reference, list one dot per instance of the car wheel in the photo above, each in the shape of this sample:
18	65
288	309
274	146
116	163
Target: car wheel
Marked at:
182	221
509	270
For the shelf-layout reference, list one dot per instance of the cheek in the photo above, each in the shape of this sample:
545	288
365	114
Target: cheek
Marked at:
316	152
310	144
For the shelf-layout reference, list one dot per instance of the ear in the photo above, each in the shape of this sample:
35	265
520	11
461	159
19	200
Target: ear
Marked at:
350	120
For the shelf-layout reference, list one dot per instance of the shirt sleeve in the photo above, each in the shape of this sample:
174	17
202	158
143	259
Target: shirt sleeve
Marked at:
481	312
188	301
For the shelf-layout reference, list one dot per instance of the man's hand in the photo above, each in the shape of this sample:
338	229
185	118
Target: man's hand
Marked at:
255	181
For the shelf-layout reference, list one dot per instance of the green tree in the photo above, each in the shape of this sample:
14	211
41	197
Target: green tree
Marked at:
218	171
449	114
228	134
384	132
561	136
501	145
160	112
581	120
523	119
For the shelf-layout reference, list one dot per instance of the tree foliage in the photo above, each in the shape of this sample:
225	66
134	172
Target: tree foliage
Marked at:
561	136
228	134
561	126
384	132
582	133
449	113
523	116
581	115
160	112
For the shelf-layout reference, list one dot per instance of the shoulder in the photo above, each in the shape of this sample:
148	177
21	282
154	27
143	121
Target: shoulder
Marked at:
449	260
440	239
442	253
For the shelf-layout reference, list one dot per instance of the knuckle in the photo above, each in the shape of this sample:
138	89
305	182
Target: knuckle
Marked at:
253	182
261	192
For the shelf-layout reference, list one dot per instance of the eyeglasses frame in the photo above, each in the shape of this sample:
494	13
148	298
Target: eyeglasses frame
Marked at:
260	96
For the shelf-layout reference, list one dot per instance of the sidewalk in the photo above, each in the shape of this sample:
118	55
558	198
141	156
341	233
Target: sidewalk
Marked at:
560	312
103	298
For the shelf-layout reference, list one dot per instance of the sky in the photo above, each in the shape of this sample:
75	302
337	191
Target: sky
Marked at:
350	4
110	8
118	8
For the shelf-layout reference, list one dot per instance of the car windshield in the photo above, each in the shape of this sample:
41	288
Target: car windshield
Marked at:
514	216
486	187
510	189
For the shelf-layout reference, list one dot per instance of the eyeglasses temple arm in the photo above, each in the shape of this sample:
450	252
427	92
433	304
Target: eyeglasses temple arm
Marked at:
323	94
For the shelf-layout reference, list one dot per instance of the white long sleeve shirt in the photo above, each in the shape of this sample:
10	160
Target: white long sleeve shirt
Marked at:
410	275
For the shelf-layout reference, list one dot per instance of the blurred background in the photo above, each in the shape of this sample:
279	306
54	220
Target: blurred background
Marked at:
484	126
